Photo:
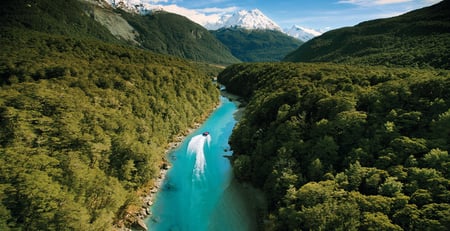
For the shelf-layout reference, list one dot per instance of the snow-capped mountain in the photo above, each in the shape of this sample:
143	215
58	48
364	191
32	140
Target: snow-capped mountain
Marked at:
135	6
248	19
302	33
253	19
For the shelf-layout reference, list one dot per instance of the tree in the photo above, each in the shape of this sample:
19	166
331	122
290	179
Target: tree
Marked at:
377	221
355	175
325	149
437	159
390	187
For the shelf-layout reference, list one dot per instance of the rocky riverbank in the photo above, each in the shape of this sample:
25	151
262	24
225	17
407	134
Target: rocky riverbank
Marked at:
135	220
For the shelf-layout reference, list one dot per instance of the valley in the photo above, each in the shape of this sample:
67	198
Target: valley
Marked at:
347	130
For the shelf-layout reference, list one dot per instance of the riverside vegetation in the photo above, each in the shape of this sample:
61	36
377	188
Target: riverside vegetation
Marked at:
84	125
85	119
351	146
340	147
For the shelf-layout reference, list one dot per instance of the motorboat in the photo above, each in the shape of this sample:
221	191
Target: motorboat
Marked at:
205	133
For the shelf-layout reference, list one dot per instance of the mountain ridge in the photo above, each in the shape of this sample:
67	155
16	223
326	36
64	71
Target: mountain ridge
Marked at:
417	38
256	45
246	19
96	19
173	34
302	33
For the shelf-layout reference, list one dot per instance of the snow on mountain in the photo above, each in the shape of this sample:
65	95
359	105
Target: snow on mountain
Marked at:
302	33
253	19
135	6
222	18
248	19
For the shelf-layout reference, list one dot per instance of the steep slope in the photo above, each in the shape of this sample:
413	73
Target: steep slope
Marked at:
257	45
418	38
162	32
70	18
168	33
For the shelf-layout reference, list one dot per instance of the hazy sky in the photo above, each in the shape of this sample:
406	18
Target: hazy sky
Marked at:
315	14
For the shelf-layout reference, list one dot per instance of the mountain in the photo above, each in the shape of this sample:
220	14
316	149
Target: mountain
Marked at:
173	34
302	33
247	19
257	45
418	38
69	18
160	32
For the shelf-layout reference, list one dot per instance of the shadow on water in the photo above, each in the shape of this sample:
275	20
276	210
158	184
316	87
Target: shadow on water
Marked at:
199	192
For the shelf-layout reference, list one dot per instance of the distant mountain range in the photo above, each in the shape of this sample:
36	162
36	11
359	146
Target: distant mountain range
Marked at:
257	45
250	36
302	33
246	19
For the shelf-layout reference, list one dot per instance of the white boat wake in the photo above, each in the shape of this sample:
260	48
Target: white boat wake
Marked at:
196	146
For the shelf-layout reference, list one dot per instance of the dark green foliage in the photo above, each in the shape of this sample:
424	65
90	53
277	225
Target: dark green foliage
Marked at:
56	17
83	124
340	147
418	39
163	33
168	33
257	45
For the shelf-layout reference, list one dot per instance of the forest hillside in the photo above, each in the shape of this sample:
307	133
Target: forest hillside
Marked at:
360	145
160	32
257	45
419	38
84	118
344	147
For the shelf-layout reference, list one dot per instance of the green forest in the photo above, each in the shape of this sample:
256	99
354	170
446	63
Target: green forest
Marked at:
161	32
419	38
84	125
358	142
344	147
168	33
257	45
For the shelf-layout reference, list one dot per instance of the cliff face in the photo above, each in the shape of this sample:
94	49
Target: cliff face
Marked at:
117	25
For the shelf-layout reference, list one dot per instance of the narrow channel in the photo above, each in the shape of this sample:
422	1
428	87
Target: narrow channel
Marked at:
199	192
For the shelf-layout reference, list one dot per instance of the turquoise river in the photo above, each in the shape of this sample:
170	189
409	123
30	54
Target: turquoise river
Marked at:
199	192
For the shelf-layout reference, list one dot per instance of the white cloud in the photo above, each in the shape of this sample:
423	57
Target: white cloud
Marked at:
201	16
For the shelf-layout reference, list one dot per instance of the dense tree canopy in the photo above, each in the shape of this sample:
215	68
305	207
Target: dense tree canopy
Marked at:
257	45
84	124
340	147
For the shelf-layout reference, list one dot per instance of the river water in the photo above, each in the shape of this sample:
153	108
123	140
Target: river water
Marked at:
199	192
